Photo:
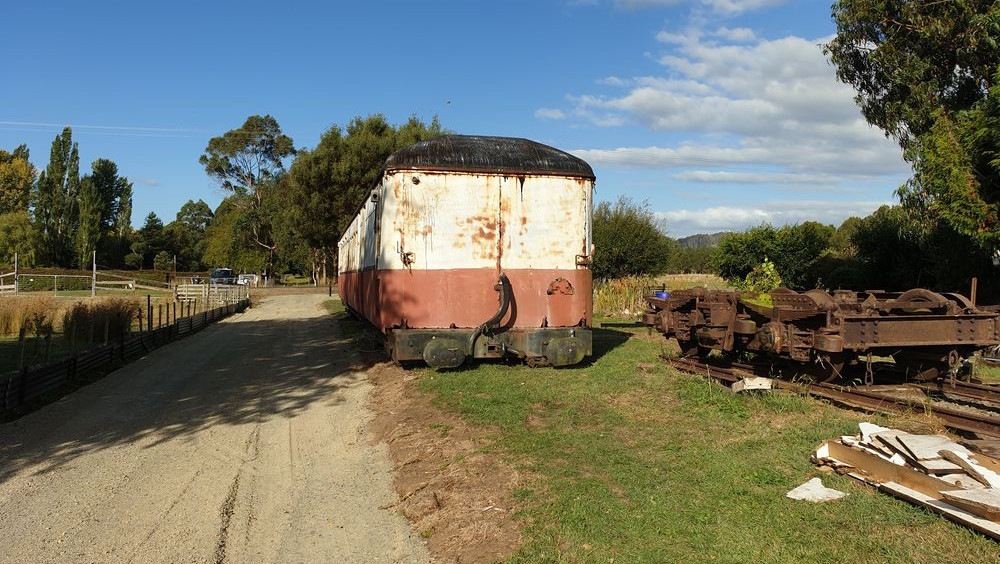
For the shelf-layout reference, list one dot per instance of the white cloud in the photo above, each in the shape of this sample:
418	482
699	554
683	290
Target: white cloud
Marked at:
742	34
681	223
769	103
819	157
744	177
611	81
549	113
724	7
148	181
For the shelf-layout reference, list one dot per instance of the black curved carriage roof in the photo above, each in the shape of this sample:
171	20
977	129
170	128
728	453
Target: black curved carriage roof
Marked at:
476	153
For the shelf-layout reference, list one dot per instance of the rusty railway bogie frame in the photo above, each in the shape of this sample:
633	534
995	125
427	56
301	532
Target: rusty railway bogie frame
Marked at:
925	332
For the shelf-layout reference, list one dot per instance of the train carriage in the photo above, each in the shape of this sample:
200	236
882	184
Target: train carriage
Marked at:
473	246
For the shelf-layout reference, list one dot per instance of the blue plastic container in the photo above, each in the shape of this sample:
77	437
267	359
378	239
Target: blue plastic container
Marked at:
662	295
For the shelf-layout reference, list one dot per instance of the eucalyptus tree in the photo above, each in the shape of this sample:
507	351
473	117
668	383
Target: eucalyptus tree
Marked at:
248	162
926	73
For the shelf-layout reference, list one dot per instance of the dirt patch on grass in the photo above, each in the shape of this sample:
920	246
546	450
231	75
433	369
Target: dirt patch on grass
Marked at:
456	495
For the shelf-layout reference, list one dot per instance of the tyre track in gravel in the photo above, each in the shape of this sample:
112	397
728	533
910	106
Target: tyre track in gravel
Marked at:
243	443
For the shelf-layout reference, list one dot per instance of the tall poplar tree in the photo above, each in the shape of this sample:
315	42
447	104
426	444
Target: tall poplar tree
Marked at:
122	228
88	231
55	202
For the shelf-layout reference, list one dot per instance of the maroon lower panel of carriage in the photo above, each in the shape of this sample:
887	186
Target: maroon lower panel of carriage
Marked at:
541	315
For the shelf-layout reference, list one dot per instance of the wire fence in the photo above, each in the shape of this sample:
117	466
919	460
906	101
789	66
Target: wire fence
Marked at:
97	282
38	377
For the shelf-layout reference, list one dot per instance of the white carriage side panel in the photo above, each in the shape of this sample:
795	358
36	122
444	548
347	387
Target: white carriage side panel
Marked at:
368	221
547	222
348	248
465	220
439	221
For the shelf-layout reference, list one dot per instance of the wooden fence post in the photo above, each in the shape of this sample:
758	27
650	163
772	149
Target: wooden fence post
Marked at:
20	343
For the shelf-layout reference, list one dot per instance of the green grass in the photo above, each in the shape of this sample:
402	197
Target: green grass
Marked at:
632	462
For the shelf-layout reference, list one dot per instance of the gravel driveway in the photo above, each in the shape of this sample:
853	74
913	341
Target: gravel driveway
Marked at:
244	443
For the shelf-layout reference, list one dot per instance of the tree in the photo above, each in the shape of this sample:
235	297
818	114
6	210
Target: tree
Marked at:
841	241
88	231
148	242
739	253
248	162
926	73
628	240
794	249
185	235
163	261
16	178
121	230
243	157
227	244
195	215
799	247
55	201
17	236
111	191
326	185
908	59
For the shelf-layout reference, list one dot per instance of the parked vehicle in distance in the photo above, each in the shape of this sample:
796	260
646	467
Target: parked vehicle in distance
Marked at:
247	279
222	276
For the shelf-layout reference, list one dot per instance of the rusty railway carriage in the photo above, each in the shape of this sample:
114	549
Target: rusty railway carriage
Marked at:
819	333
473	246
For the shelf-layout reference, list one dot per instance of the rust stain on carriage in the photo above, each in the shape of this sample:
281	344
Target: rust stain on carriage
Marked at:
482	228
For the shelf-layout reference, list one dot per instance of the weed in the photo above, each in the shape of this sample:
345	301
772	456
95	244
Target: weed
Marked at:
623	296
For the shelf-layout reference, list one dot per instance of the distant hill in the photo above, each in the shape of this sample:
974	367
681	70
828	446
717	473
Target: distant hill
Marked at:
701	240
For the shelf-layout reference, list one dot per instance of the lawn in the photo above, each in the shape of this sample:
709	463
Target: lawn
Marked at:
633	462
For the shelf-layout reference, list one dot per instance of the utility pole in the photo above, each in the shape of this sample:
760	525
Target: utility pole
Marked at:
93	280
15	273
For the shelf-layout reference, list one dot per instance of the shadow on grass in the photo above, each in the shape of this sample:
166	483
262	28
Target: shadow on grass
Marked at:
239	372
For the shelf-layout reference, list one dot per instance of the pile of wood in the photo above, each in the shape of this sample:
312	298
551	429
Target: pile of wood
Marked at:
932	471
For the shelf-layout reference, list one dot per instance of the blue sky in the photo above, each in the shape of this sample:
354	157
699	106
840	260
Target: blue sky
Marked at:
721	114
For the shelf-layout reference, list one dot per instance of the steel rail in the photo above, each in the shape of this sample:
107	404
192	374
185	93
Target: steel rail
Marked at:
855	397
958	388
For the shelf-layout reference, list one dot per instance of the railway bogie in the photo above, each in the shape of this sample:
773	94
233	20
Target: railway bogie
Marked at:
818	334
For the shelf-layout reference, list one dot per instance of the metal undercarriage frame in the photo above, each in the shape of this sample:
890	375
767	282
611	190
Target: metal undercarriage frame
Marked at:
558	346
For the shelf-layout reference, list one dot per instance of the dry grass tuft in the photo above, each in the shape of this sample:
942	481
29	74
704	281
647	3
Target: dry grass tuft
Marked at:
34	314
96	320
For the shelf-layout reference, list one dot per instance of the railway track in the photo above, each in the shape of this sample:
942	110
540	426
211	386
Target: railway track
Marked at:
969	407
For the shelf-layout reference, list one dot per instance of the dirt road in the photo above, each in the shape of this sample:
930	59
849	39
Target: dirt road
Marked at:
244	443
